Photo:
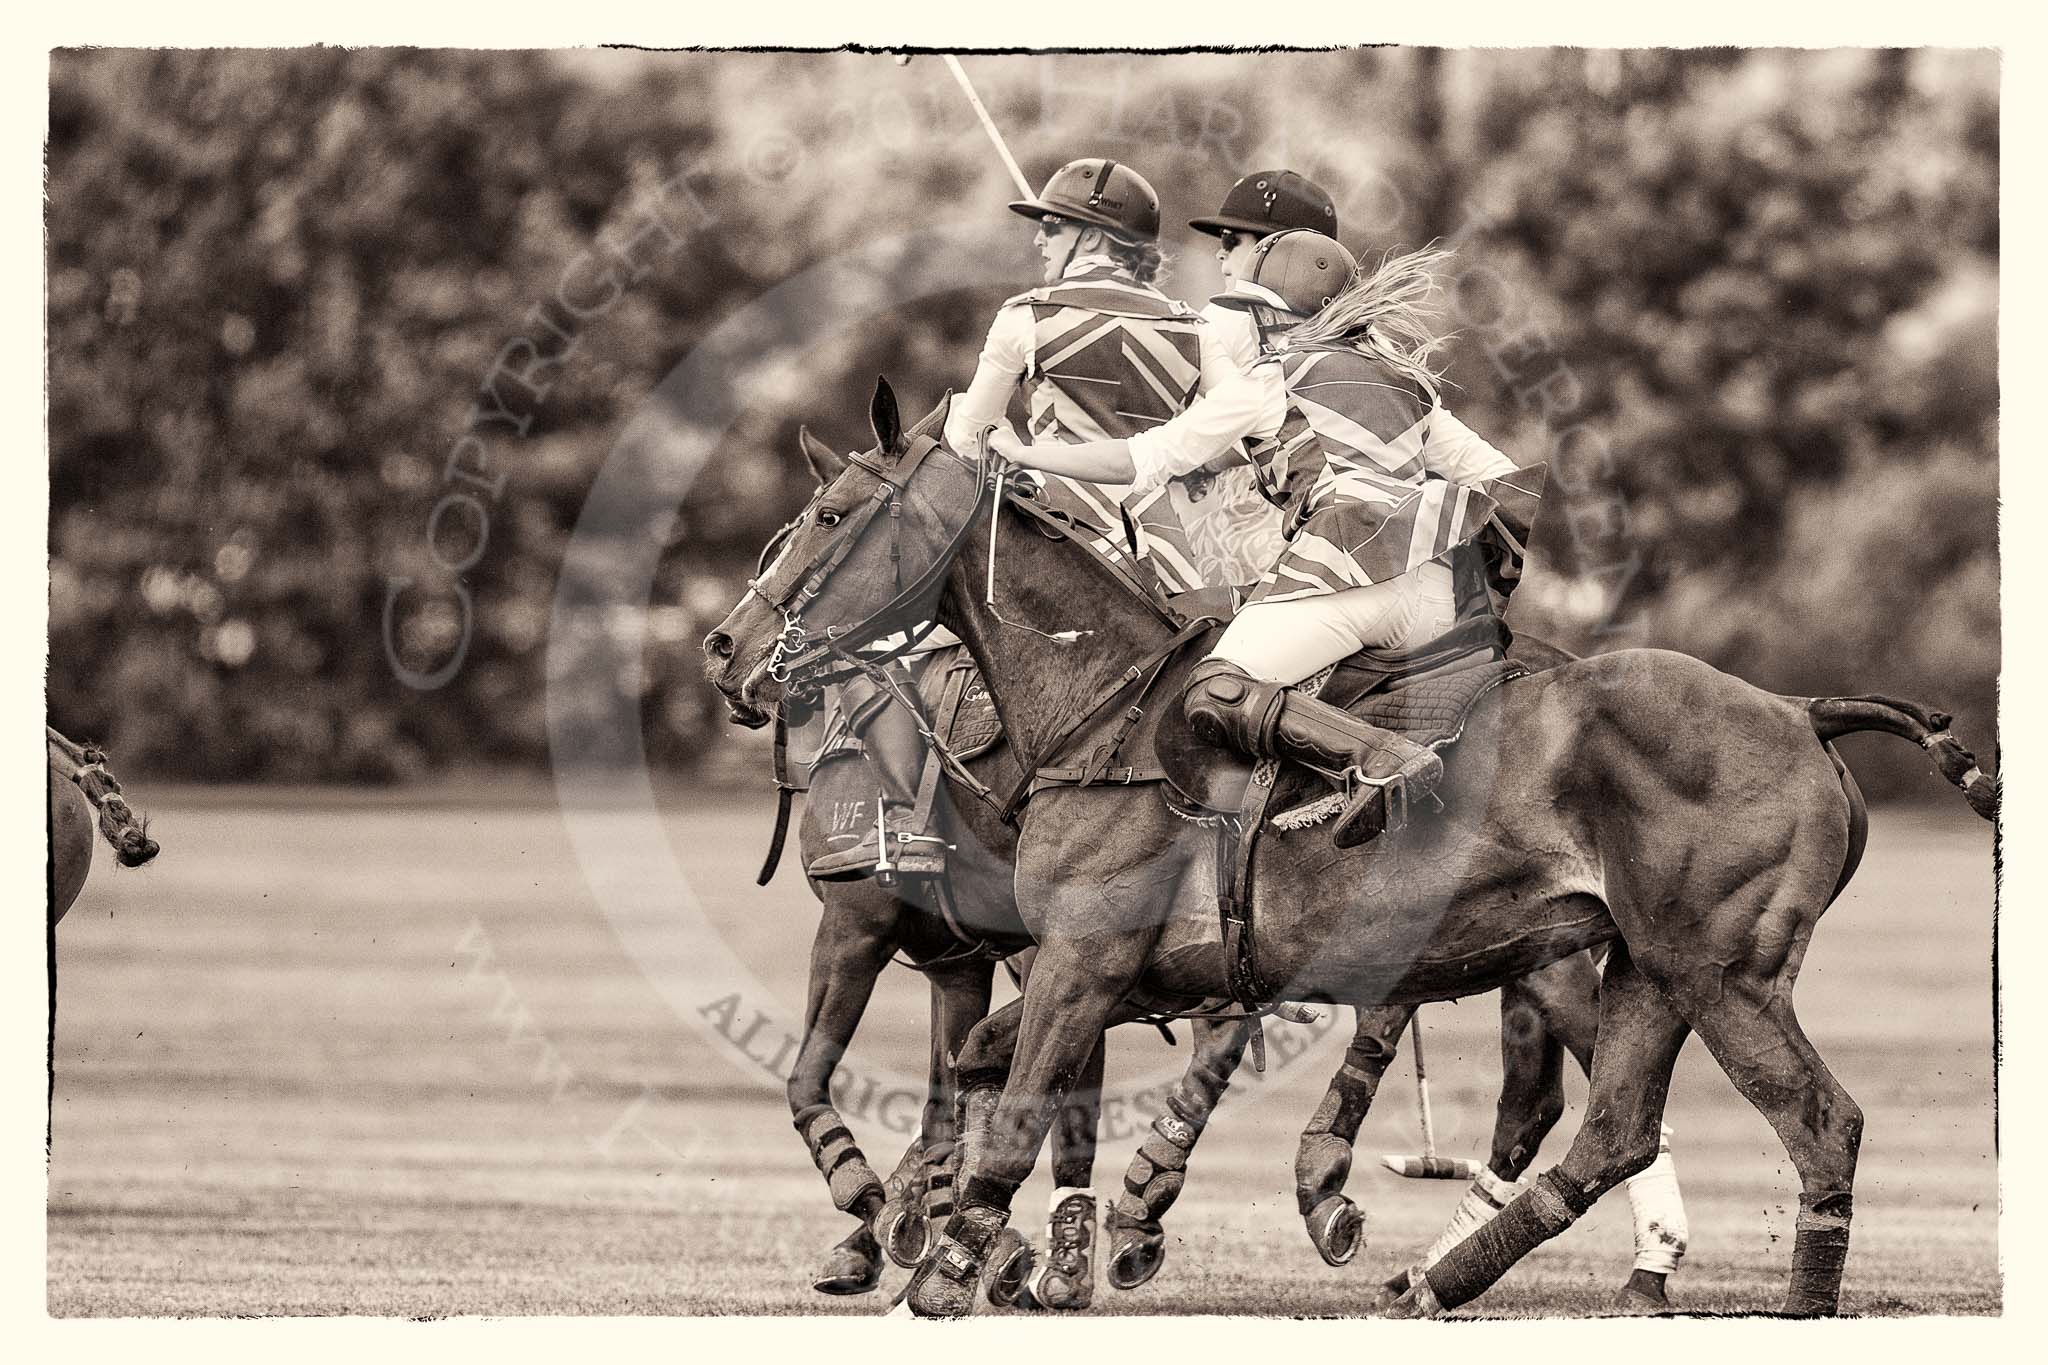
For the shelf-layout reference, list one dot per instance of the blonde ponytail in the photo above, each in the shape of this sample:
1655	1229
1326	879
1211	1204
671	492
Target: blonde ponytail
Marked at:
1390	315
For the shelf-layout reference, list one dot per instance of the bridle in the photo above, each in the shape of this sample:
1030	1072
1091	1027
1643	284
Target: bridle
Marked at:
803	663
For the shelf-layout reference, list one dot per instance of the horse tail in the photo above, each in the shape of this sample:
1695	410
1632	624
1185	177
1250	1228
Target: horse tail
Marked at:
1833	717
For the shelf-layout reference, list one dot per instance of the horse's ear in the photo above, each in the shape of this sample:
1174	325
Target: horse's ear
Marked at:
883	417
825	462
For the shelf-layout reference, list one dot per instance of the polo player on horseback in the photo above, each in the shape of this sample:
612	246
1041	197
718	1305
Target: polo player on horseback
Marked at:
1235	532
1342	412
1101	354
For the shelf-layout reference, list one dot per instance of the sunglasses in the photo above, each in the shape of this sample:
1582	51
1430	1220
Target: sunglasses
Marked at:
1230	238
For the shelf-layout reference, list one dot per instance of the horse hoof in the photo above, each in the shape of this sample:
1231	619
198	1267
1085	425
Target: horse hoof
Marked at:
1417	1301
1338	1229
850	1269
1008	1267
1391	1289
1051	1289
905	1234
1135	1258
1635	1303
933	1293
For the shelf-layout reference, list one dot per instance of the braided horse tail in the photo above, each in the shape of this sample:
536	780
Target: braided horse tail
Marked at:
1832	717
85	766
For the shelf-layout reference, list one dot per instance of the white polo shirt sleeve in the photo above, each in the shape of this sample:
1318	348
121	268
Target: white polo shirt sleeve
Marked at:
1455	452
1005	357
1230	343
1253	404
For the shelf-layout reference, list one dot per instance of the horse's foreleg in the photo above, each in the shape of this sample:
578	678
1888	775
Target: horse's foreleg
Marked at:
921	1189
1137	1242
1322	1162
1065	1276
1640	1035
1020	1065
847	956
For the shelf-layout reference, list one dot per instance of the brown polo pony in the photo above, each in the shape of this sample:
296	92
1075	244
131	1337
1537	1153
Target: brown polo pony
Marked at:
83	793
1551	1011
1644	800
862	927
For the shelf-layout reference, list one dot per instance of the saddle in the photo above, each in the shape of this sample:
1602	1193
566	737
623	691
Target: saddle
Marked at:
954	699
1423	697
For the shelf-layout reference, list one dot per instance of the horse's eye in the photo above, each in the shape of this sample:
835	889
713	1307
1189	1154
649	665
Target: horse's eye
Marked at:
826	518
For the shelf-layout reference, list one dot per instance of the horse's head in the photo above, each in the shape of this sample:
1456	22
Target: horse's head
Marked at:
86	765
872	539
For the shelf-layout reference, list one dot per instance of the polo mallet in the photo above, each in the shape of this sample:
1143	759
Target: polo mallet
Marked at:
981	112
1428	1166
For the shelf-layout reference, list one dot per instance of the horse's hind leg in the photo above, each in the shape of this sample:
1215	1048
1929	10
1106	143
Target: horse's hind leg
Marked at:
1640	1035
1754	1034
1137	1242
1563	1001
1322	1162
1531	1103
1551	1011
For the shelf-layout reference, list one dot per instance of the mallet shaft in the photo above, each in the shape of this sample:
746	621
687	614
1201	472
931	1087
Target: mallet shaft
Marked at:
988	124
1422	1087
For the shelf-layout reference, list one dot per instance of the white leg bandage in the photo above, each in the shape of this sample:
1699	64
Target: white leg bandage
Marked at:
1659	1212
1486	1196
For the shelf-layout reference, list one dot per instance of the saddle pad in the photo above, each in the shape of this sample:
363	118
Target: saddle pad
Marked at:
976	727
1431	711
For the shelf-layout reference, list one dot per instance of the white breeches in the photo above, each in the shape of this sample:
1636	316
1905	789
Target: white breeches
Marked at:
1285	642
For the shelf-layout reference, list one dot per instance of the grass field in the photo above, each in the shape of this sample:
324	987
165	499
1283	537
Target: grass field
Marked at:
341	1055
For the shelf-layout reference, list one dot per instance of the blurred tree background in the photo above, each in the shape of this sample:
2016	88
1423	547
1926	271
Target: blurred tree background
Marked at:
1744	300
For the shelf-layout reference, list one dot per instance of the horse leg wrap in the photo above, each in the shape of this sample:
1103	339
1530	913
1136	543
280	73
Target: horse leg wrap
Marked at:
1483	1201
1659	1211
838	1158
977	1110
1322	1163
1820	1248
1157	1171
944	1286
1066	1277
938	1190
1539	1213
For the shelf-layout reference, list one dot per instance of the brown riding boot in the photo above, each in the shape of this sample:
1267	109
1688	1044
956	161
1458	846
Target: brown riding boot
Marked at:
883	837
1382	771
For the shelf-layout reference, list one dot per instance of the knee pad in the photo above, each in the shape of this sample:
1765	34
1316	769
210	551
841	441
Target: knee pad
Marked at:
1225	705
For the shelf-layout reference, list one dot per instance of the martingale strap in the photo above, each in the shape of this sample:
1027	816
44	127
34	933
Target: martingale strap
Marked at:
785	792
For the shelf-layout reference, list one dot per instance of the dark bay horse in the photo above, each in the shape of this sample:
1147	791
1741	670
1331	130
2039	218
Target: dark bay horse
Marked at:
1551	1011
1693	824
956	945
83	794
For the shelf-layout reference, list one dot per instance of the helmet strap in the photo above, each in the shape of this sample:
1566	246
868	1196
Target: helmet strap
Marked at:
1072	247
